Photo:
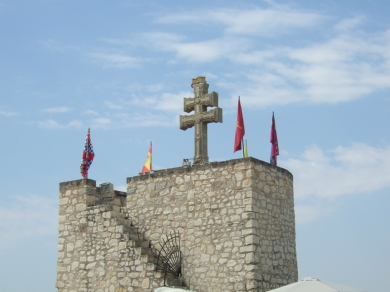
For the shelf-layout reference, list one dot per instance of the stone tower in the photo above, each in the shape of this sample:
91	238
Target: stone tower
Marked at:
235	221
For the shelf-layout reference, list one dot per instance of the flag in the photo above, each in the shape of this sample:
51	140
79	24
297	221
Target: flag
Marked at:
148	162
246	149
87	156
274	142
240	128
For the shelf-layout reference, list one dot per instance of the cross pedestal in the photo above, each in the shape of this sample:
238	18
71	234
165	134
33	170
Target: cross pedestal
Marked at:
201	117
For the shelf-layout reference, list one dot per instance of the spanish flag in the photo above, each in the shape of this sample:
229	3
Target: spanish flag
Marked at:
240	129
148	162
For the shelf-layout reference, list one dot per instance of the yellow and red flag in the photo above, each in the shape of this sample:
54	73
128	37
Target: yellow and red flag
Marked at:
148	162
240	128
274	142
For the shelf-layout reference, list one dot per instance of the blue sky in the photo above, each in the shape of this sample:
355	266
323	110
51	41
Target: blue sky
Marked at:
122	68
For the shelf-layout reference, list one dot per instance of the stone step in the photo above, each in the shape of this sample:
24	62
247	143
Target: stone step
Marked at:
112	214
144	251
139	243
131	237
148	258
129	234
150	266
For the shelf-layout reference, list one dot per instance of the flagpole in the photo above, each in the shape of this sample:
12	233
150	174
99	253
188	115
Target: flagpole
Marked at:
151	156
86	173
243	147
246	149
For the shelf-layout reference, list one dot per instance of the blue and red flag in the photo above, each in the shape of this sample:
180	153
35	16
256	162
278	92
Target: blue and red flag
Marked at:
87	156
274	142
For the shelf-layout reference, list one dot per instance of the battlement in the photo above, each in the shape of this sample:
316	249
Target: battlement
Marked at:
194	167
104	194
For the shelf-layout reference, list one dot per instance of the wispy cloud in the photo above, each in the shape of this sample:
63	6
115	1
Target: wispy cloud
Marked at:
53	124
8	113
91	112
346	66
306	213
343	68
199	51
145	87
135	119
62	109
263	22
117	60
350	23
321	177
358	168
112	105
165	102
54	45
101	122
27	217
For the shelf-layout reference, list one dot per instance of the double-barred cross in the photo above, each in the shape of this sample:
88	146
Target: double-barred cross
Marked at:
201	117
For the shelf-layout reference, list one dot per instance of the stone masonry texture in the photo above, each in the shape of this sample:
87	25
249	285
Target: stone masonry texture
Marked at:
235	219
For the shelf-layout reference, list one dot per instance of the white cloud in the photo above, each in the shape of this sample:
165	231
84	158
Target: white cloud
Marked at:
8	113
112	105
54	45
264	22
343	68
350	23
62	109
135	119
346	66
320	178
142	87
52	124
308	213
148	120
359	168
169	102
200	51
101	122
91	112
27	217
117	60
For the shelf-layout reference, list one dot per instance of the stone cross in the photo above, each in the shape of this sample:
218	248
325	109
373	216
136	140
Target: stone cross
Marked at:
201	117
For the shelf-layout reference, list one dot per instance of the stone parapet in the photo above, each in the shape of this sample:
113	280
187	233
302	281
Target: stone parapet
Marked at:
236	220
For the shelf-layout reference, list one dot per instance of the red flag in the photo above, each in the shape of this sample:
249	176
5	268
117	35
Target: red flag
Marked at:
274	142
240	128
148	162
87	156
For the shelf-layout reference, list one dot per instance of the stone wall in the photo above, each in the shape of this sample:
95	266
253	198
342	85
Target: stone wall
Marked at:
98	248
236	220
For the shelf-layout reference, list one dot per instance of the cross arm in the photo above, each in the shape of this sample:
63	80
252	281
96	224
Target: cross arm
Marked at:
212	116
210	99
189	104
186	122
